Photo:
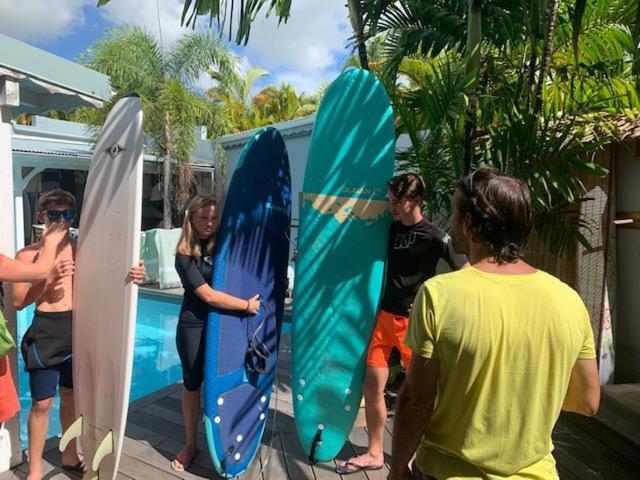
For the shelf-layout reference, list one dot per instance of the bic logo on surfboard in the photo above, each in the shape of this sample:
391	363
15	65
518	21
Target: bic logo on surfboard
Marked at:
115	150
271	206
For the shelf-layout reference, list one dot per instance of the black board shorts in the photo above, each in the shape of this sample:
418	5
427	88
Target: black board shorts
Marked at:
46	351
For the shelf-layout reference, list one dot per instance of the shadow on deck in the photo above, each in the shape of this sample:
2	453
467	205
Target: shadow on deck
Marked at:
604	447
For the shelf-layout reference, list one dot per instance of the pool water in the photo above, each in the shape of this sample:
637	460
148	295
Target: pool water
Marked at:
155	362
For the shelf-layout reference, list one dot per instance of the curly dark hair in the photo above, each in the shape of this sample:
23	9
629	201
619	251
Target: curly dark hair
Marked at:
500	209
56	196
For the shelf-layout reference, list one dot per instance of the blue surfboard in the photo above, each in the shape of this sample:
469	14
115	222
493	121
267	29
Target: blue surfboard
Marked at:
250	258
342	248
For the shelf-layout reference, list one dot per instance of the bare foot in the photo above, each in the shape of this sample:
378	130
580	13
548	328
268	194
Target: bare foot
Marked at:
362	462
34	473
71	459
184	458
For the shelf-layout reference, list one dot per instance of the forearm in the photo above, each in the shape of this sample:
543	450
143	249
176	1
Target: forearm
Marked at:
23	296
22	271
412	417
225	301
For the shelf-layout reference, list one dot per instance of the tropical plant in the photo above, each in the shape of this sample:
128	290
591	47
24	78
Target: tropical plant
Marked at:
526	107
376	57
234	99
431	113
269	106
136	62
283	103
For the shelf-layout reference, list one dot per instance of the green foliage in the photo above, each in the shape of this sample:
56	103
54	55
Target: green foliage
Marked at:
269	106
589	76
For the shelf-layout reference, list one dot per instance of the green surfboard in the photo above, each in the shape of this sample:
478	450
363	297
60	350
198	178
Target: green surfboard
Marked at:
342	244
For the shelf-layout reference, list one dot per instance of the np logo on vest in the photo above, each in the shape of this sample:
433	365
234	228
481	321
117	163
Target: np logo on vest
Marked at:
404	241
115	150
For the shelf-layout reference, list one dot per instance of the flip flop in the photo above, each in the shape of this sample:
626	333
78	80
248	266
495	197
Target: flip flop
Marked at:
181	466
344	469
78	468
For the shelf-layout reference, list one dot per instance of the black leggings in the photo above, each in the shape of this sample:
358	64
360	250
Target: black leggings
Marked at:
190	341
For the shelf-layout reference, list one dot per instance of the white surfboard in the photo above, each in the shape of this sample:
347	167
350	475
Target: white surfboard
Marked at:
104	300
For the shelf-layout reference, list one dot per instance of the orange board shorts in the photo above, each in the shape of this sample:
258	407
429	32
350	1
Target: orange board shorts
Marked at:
9	403
389	333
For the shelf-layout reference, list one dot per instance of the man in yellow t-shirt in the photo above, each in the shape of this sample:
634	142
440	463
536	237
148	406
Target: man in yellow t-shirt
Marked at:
500	348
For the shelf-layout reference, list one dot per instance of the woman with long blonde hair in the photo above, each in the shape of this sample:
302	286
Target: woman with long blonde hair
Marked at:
194	264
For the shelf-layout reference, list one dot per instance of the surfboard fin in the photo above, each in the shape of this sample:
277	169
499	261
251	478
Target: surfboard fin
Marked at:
74	431
105	448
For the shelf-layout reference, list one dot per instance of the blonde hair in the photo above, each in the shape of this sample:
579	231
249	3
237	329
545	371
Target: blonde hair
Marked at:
189	243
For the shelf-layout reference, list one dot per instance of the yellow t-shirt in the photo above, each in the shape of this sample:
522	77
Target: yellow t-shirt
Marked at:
506	345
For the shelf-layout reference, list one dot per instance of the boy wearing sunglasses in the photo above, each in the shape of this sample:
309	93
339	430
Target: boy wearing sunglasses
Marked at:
46	345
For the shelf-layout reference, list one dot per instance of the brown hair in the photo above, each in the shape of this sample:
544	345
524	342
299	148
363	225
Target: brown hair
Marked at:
406	186
55	197
500	209
189	244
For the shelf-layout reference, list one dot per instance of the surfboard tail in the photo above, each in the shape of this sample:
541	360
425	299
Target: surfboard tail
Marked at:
106	447
90	474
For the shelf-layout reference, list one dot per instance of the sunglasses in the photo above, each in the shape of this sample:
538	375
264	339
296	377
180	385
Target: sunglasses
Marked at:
57	215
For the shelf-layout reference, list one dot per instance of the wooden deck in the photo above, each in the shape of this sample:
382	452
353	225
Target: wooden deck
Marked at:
607	447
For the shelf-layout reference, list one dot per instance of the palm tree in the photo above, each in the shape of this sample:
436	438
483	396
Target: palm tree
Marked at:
134	61
283	103
376	57
234	97
269	106
358	24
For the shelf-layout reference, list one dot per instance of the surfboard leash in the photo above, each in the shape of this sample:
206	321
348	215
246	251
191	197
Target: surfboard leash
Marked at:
273	426
253	338
293	243
317	441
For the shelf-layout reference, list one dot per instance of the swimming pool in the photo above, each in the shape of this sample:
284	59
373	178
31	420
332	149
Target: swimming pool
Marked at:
155	360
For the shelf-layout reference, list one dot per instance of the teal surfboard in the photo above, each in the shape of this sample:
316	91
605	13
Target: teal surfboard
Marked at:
342	244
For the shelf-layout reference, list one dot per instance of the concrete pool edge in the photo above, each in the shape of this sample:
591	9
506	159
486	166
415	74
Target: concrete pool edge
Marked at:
154	290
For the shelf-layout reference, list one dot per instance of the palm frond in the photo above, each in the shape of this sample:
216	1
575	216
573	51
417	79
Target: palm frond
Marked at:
131	57
195	53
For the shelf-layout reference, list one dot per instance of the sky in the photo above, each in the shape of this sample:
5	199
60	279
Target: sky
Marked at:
307	51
